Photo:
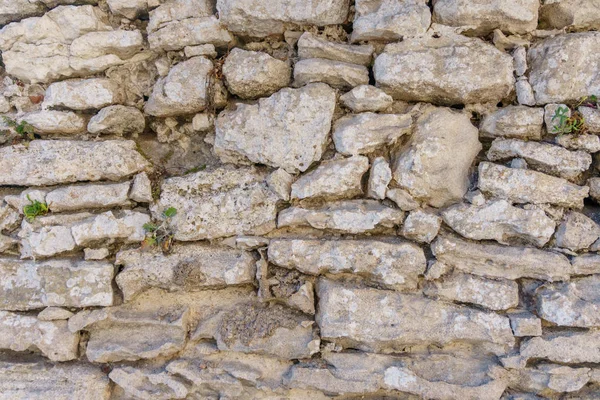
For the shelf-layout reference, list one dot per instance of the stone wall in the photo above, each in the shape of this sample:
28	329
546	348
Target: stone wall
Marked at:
299	199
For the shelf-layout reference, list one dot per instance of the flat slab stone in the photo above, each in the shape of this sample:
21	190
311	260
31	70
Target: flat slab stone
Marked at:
586	264
394	264
497	261
346	317
56	122
69	198
83	94
519	122
566	347
337	74
50	162
27	285
288	129
313	46
515	185
218	203
187	268
177	34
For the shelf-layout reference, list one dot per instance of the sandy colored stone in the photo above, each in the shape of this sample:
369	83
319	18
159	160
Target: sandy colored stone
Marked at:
130	9
564	347
340	75
586	264
117	120
141	188
394	264
421	226
495	261
573	14
577	232
56	122
95	254
288	129
402	198
366	98
524	323
280	182
70	198
143	384
54	314
591	117
588	143
514	122
550	378
16	10
83	94
313	46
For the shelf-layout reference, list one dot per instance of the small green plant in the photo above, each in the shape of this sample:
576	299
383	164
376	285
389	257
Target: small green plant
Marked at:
568	124
34	209
589	101
23	128
159	234
196	169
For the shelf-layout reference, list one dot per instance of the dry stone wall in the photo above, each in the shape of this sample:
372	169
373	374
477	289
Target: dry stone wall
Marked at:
299	200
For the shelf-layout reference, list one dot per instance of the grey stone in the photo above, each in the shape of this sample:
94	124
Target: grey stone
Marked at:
312	46
402	198
525	95
141	188
207	50
514	121
10	218
594	185
591	117
340	75
16	10
203	122
280	182
394	264
83	94
117	120
574	303
56	122
577	232
421	226
586	264
95	254
588	143
564	347
520	59
130	9
366	98
379	178
550	378
524	323
288	129
54	314
144	384
572	14
126	226
70	198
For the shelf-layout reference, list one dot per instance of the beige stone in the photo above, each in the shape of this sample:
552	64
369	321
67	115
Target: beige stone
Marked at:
366	98
313	46
117	120
577	232
572	14
56	122
379	178
340	75
564	347
514	122
421	226
70	198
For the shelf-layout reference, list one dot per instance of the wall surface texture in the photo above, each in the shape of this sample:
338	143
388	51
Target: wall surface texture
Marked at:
299	199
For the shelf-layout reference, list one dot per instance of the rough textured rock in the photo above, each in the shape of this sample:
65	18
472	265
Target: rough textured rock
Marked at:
70	198
345	318
366	132
565	347
588	143
574	303
312	46
47	162
107	227
340	75
553	81
393	264
402	198
515	185
577	232
482	17
514	121
29	285
497	261
499	220
548	378
219	203
117	120
269	133
15	10
573	14
485	292
350	216
421	226
334	179
83	94
525	324
259	19
168	97
591	117
379	178
187	268
252	74
56	122
366	98
280	182
143	384
544	157
429	166
450	69
586	264
141	188
389	20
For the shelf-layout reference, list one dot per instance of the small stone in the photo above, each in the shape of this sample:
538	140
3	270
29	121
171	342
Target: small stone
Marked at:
253	74
515	185
349	216
55	122
421	226
402	198
10	218
168	99
573	303
71	198
366	132
514	122
141	189
54	314
203	122
280	182
520	58
389	21
475	197
499	220
6	243
312	46
591	117
577	232
340	75
525	95
366	98
96	254
550	117
127	226
518	163
435	270
206	50
379	178
588	143
117	120
246	242
334	179
489	293
586	264
130	9
524	323
83	94
575	347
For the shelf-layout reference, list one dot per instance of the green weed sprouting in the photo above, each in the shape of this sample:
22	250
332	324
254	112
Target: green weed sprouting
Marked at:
34	209
23	128
159	234
573	124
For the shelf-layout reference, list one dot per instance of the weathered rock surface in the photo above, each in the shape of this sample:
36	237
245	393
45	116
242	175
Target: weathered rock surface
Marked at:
15	10
553	81
48	162
389	20
29	285
548	378
379	178
430	166
566	347
334	179
350	216
218	203
421	226
499	220
402	198
366	98
143	384
525	324
482	17
591	117
252	74
485	292
586	264
259	19
56	122
169	97
54	314
126	226
588	143
514	121
340	75
83	94
345	318
573	14
52	338
117	120
366	132
312	46
393	264
574	303
545	157
186	268
577	232
288	129
515	185
70	198
497	261
450	69
280	182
